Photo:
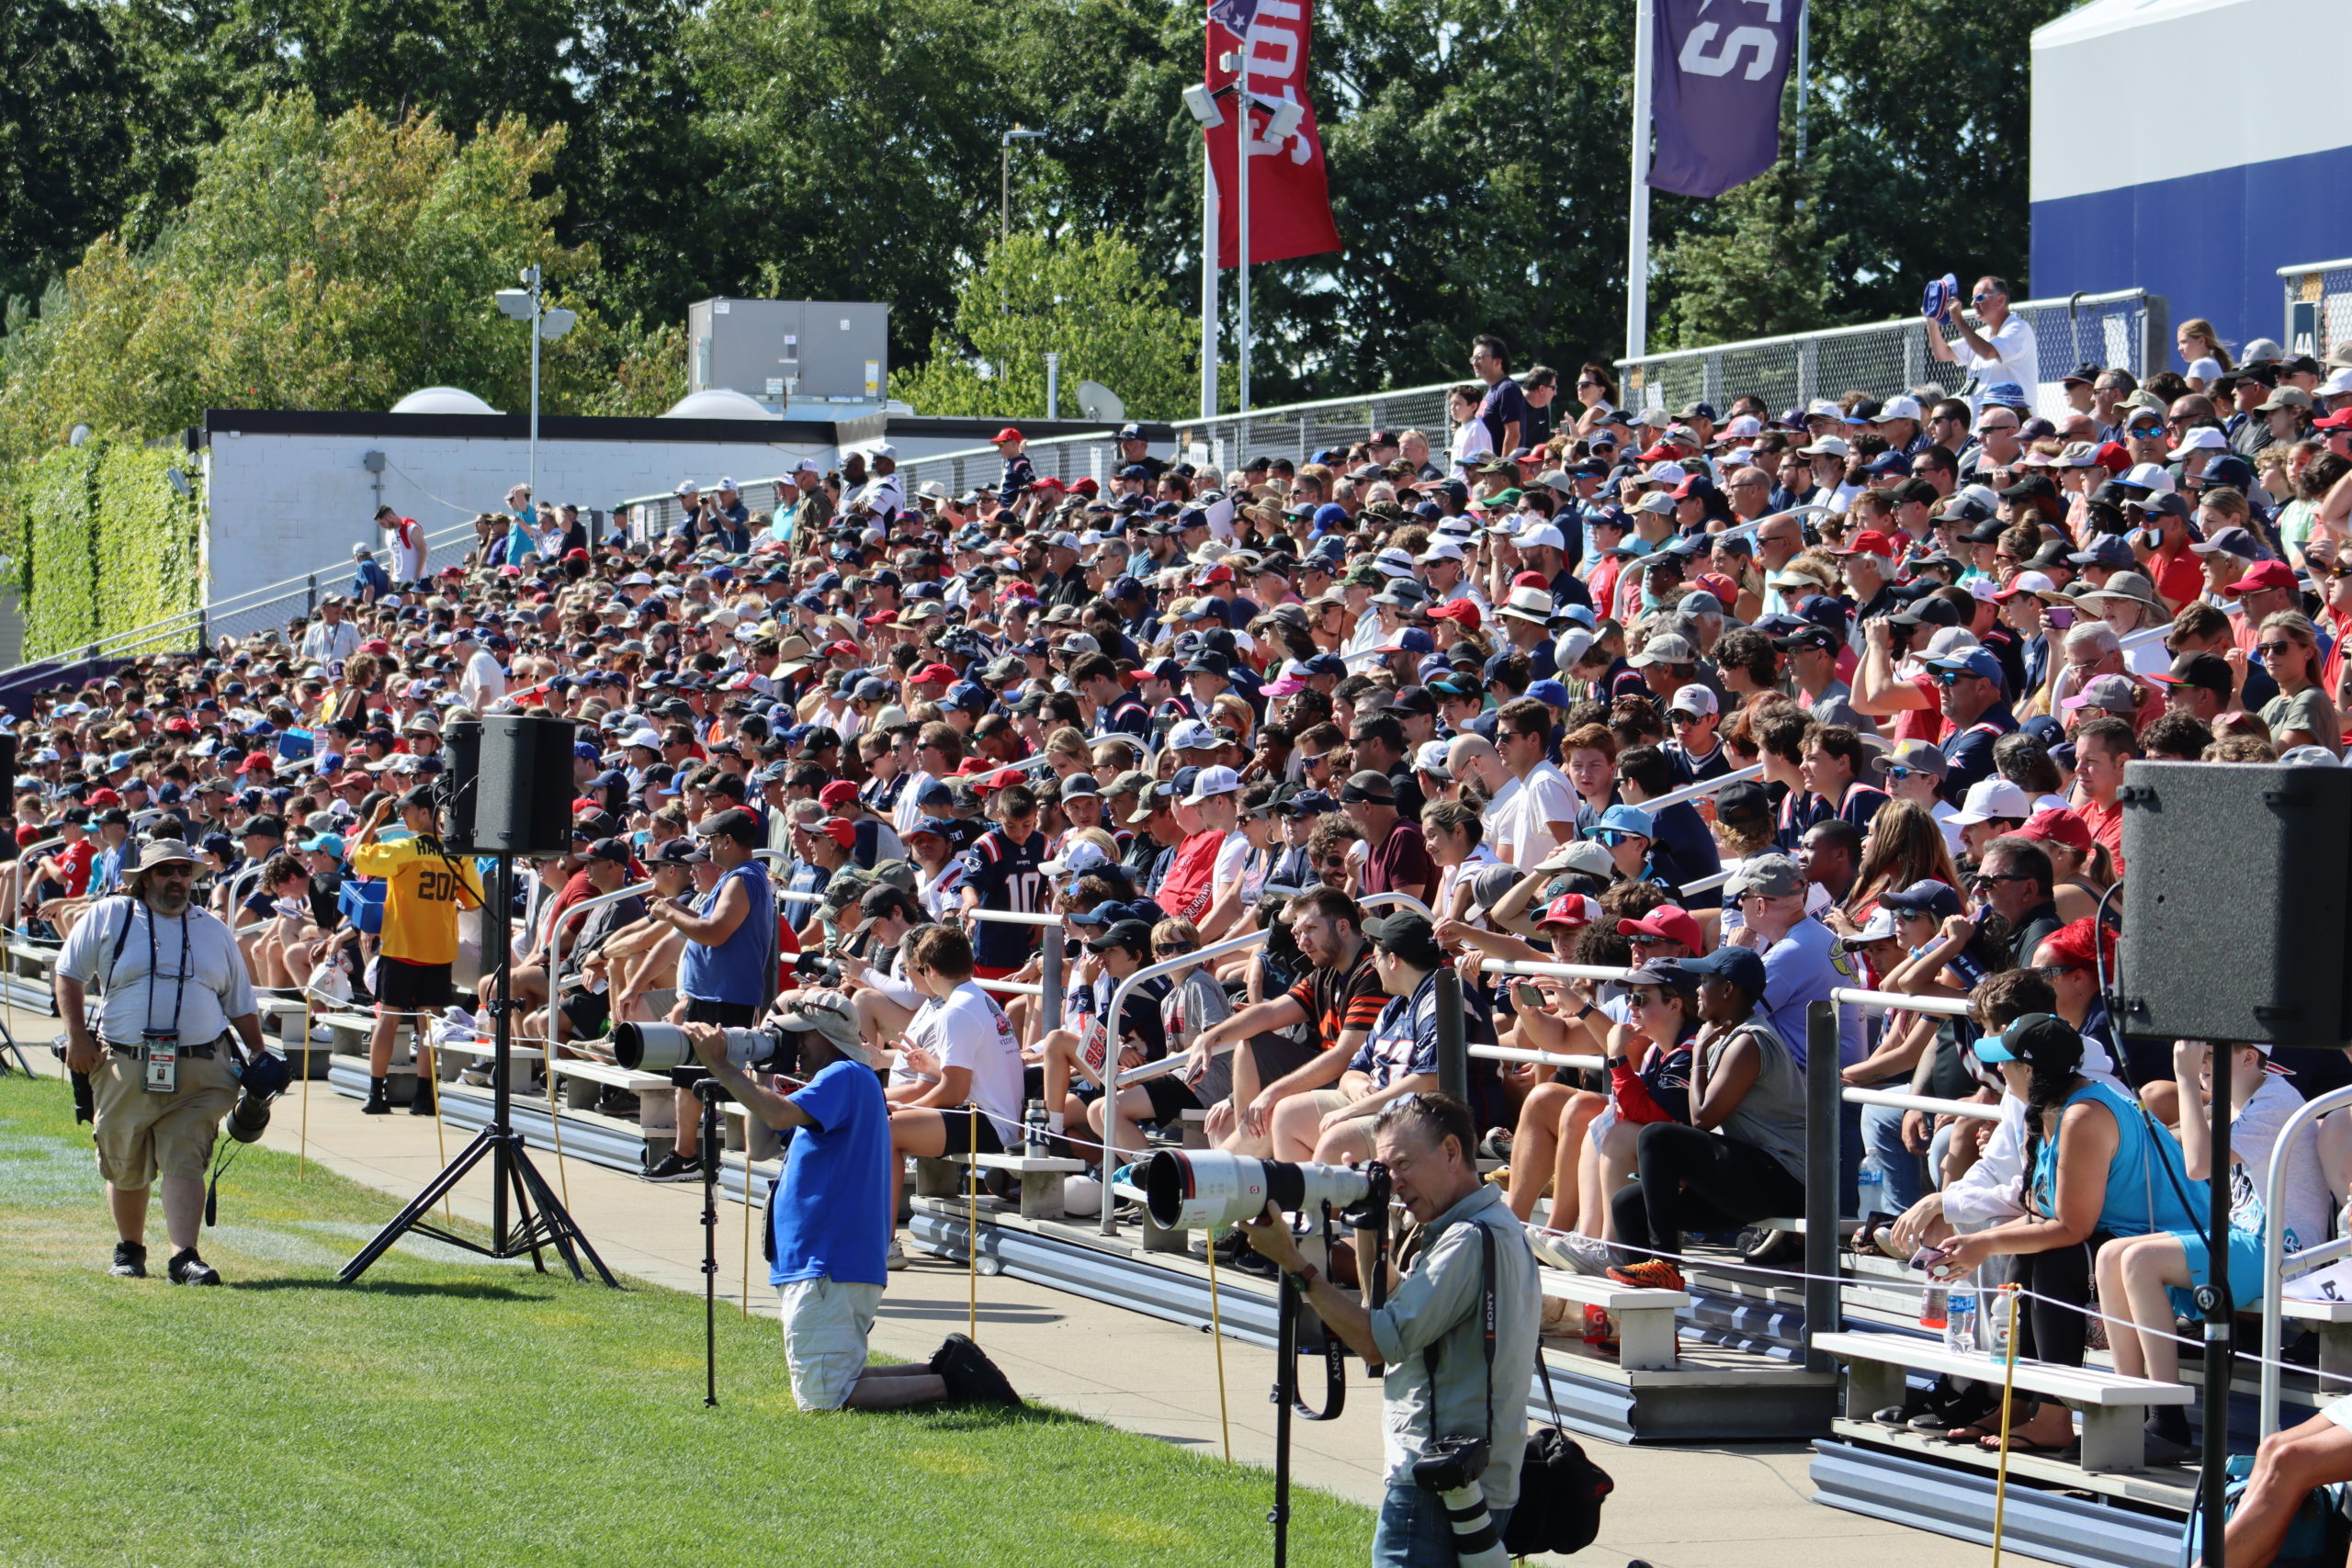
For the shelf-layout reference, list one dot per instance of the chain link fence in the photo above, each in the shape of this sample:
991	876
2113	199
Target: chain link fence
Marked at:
2318	306
2127	331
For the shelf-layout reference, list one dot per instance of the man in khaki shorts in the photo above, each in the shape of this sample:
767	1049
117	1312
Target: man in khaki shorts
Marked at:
161	1062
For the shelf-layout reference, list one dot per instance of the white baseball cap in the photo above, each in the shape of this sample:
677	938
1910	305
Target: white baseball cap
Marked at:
1191	735
1694	699
1212	781
1899	407
1543	534
1990	798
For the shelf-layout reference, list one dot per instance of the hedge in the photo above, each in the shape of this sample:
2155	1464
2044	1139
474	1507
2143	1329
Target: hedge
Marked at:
111	545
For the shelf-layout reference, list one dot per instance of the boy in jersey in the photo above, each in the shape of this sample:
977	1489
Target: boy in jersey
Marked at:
1005	870
425	888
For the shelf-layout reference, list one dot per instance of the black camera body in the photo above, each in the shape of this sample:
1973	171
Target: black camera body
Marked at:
1452	1464
818	969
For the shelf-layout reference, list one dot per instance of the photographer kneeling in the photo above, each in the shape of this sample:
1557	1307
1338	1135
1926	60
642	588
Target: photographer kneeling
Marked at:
830	1218
1440	1386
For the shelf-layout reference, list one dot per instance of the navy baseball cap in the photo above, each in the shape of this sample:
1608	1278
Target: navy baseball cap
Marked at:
1969	661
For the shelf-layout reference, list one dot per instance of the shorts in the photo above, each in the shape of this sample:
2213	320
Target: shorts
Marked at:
2244	1251
997	971
970	1132
727	1015
1171	1096
825	1326
1326	1101
141	1136
402	987
587	1012
1277	1055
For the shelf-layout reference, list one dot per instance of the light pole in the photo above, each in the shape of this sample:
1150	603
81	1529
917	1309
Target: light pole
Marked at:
1201	102
1005	202
1282	119
527	304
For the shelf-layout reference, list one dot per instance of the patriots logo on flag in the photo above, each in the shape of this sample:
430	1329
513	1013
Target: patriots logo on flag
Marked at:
1234	15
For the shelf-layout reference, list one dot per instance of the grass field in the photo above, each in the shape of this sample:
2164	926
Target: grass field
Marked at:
466	1413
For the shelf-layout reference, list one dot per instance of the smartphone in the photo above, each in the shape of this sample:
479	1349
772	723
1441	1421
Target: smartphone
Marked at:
1928	1258
2059	616
1526	996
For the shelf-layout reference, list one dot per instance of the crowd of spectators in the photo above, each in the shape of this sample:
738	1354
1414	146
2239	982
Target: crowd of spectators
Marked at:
1753	702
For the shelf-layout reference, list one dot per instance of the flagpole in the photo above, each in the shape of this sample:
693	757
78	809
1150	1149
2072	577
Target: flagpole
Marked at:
1637	224
1245	140
1208	283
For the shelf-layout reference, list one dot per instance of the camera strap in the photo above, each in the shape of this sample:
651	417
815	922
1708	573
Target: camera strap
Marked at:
1487	1313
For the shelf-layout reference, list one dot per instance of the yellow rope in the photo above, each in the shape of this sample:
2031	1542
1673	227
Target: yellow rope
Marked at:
2008	1389
432	1060
555	1122
302	1148
1216	1333
747	1220
972	1226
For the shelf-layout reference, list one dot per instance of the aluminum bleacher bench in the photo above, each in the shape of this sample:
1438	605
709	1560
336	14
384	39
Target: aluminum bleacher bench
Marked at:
2113	1406
1645	1318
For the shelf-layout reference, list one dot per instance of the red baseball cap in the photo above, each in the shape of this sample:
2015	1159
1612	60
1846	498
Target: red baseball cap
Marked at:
2113	457
834	794
935	675
1462	610
105	797
1870	542
1667	920
1049	482
1530	580
1571	909
257	763
1220	573
2058	826
841	832
1007	434
842	646
354	779
2263	574
1722	588
1003	778
2335	421
1085	487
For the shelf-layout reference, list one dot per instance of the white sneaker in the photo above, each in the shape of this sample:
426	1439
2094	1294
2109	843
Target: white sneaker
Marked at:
321	1035
896	1259
1565	1249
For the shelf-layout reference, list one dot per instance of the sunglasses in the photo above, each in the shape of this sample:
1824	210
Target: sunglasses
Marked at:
1897	772
1643	938
1986	879
1333	862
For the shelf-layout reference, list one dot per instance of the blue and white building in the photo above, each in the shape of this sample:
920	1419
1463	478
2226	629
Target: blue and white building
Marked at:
2192	147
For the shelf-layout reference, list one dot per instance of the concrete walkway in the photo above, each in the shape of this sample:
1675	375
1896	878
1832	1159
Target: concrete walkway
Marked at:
1683	1507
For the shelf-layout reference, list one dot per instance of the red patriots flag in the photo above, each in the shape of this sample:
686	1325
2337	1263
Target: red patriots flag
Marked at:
1290	198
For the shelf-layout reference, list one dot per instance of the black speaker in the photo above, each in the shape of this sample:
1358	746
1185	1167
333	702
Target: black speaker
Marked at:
510	785
2235	924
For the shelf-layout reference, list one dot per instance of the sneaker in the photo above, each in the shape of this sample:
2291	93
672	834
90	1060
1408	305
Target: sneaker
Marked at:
674	1167
130	1260
1250	1261
187	1268
1496	1145
321	1035
1650	1274
970	1376
1565	1249
896	1259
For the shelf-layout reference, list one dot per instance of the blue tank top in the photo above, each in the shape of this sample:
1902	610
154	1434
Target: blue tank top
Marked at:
736	970
2142	1197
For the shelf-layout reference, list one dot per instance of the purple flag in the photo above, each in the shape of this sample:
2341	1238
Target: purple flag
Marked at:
1719	70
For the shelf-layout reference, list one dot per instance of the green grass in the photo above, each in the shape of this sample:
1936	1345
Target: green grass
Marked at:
469	1413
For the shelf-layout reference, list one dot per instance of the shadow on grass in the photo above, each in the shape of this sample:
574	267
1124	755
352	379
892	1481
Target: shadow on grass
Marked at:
468	1289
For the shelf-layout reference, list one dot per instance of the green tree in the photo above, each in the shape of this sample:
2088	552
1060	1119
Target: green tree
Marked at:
1090	300
1753	271
64	143
320	264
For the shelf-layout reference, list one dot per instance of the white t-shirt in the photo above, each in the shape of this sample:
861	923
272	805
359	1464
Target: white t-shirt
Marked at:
2017	358
968	1030
1472	441
483	682
908	813
1450	876
341	640
1519	823
1232	859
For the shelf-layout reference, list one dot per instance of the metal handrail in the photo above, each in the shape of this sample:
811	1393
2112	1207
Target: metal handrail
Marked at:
1705	787
2274	1246
1942	1007
2314	266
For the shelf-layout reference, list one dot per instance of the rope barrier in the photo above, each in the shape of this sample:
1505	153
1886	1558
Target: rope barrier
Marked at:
2008	1396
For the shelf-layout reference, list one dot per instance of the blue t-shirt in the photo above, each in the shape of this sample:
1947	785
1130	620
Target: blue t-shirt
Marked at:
736	970
1405	1040
832	1217
1803	969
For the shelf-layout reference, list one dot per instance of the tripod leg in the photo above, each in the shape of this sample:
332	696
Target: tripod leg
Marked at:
566	1233
527	1222
418	1207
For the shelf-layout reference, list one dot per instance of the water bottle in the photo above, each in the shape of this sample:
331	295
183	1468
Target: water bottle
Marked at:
1032	1123
1960	1316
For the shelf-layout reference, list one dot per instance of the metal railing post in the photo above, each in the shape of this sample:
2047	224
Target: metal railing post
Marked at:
311	596
1453	1044
1824	1309
2274	1248
1049	983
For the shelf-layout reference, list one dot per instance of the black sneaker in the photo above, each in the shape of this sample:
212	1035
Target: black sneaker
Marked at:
970	1376
130	1260
187	1268
1249	1261
674	1167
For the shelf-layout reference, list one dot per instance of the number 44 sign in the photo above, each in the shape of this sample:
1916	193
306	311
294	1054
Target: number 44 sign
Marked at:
1716	86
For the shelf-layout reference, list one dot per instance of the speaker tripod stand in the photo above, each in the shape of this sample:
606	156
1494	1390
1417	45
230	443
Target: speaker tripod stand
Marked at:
536	1220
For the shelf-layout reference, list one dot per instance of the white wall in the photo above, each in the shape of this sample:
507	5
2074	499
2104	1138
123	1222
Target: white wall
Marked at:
283	506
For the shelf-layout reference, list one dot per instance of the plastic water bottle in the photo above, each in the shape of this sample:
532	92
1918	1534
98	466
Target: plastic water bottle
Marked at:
1032	1123
1960	1316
